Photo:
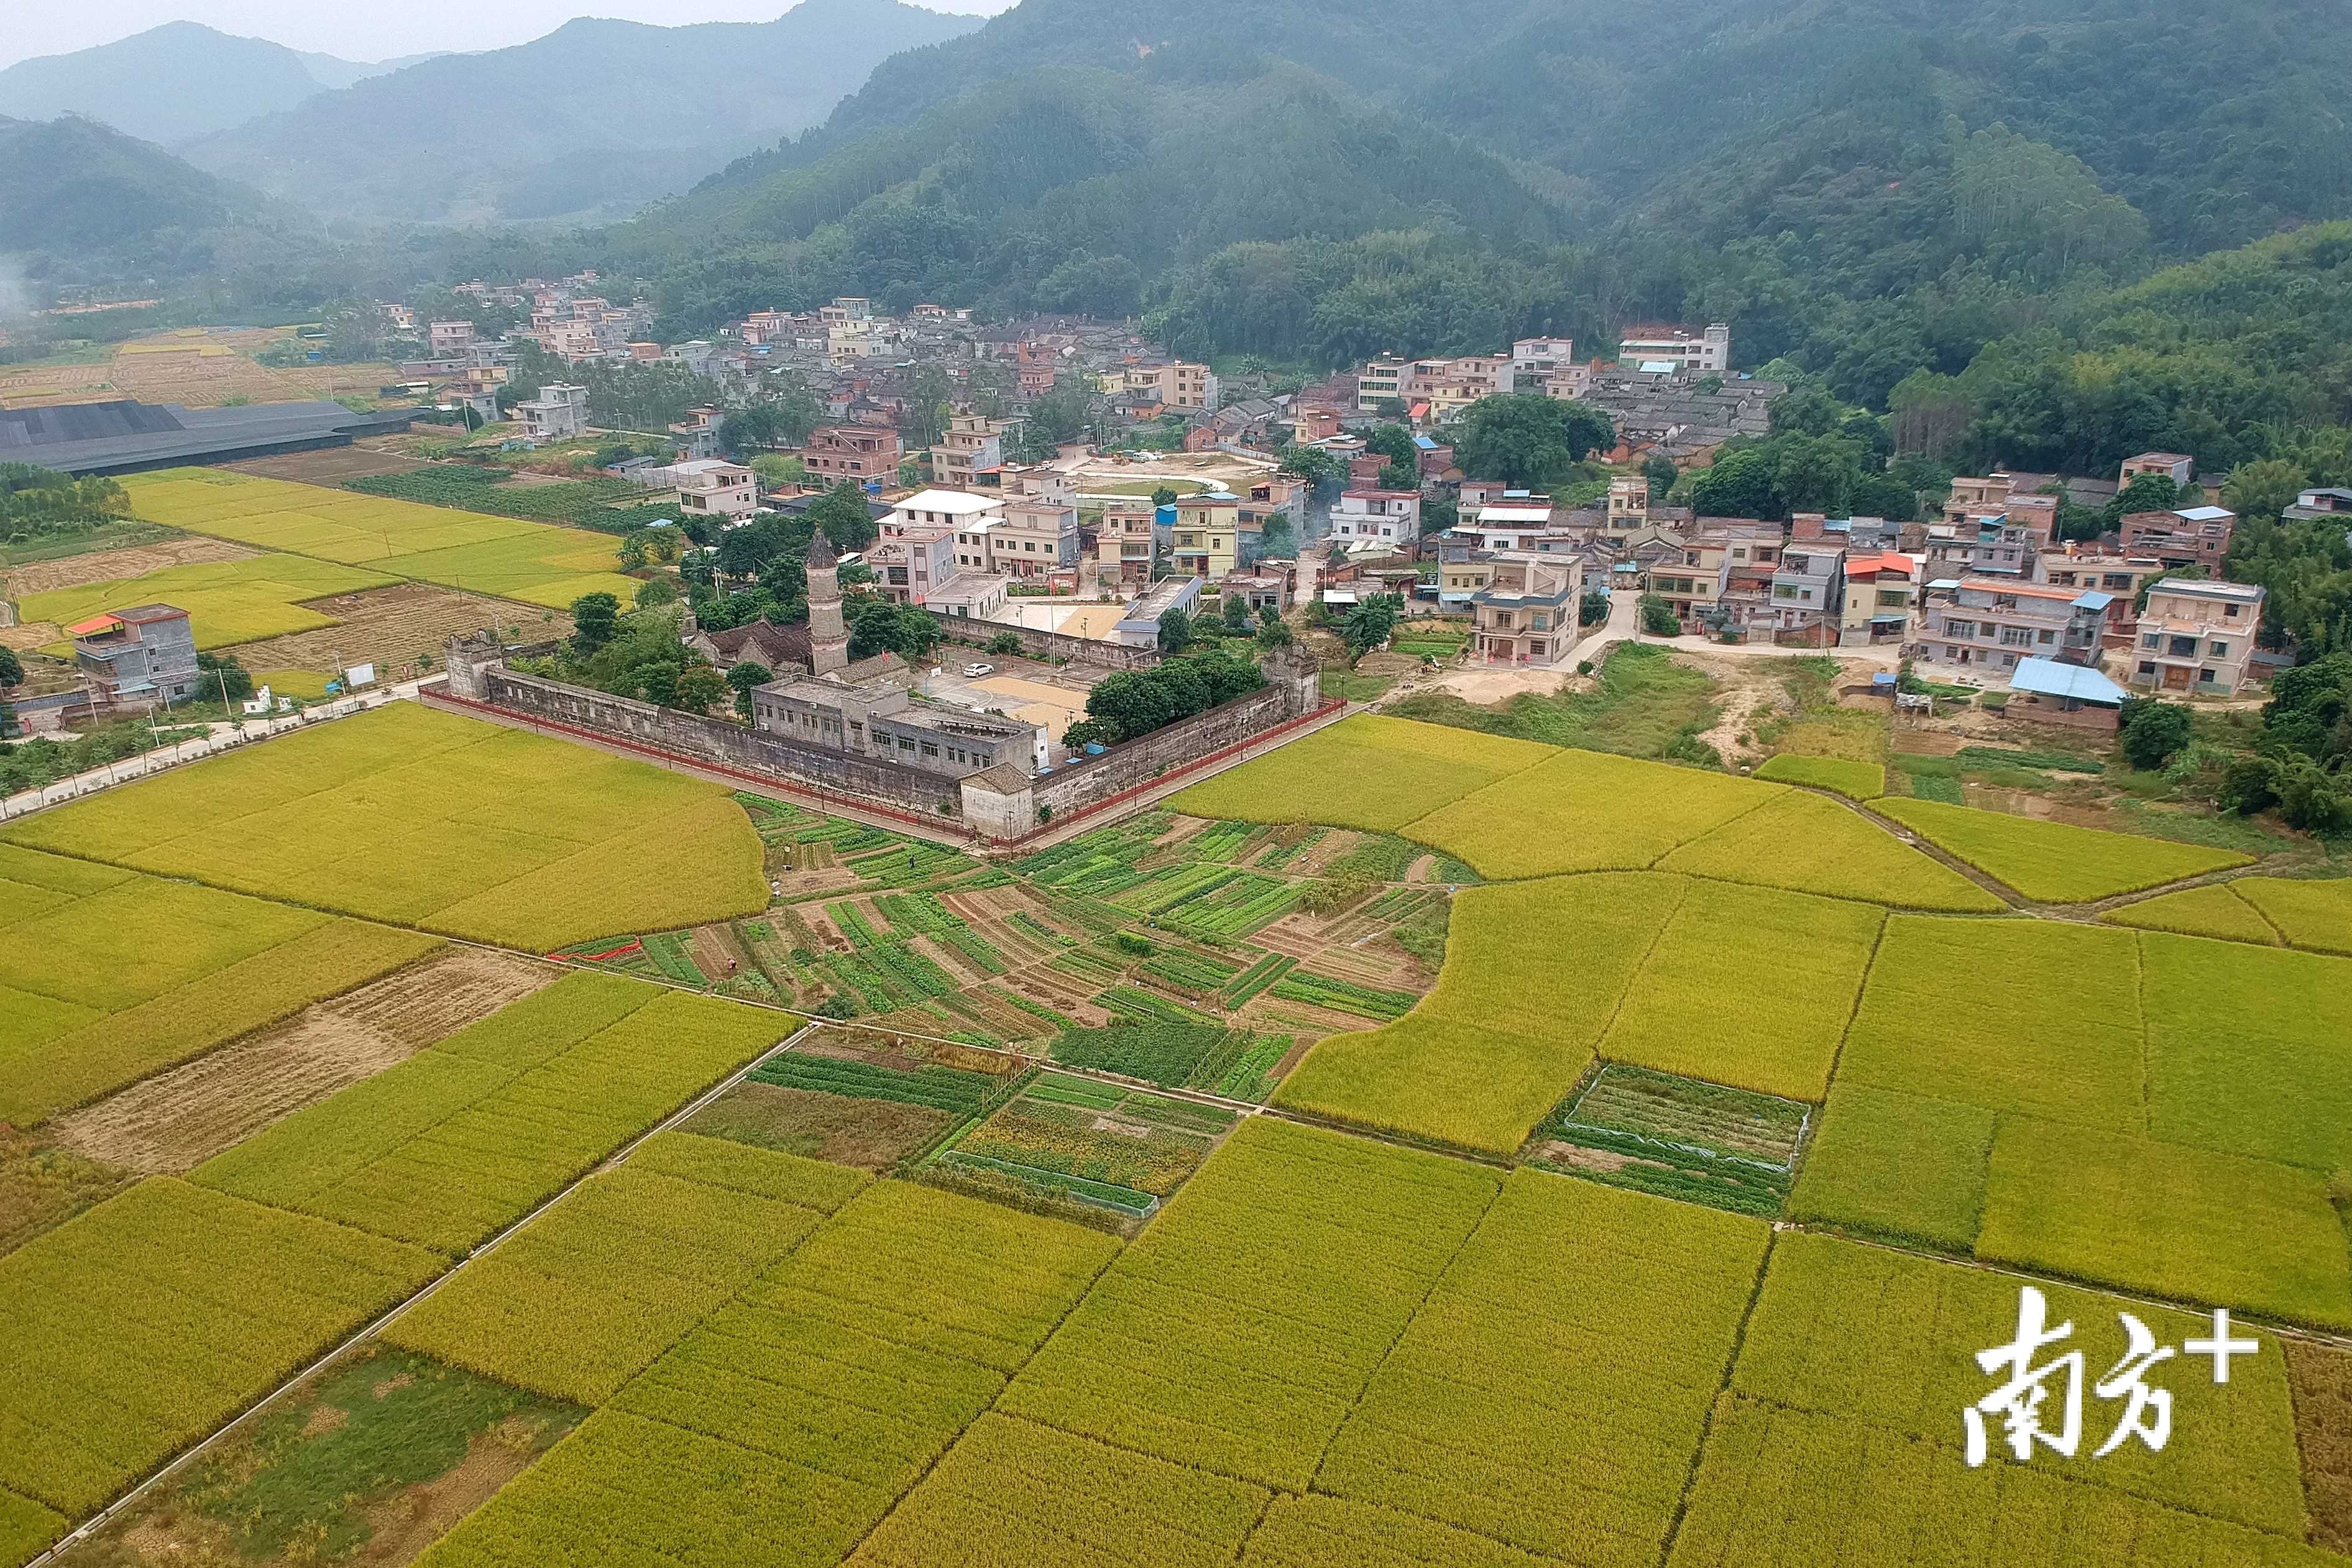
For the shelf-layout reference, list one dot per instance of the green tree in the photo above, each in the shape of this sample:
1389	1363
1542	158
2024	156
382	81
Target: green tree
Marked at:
842	514
1274	631
2153	733
594	618
1660	471
1592	610
1237	614
1369	623
743	677
2261	491
1165	497
1529	440
12	675
699	687
219	677
1175	630
1740	484
1312	463
2146	493
1658	617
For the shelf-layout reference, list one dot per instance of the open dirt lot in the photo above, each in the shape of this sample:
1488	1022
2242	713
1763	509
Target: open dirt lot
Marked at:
176	1120
392	626
115	565
202	368
329	466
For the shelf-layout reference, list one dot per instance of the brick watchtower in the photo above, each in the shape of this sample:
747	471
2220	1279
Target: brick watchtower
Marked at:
828	634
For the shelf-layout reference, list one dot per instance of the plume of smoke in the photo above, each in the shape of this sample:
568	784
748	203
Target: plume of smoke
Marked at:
17	296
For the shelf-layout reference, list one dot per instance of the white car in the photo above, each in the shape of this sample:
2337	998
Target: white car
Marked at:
973	672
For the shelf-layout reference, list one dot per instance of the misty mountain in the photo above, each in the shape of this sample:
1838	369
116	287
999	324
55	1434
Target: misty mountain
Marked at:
593	120
82	204
174	82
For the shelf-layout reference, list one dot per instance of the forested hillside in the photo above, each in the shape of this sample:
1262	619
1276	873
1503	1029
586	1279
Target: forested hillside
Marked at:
591	121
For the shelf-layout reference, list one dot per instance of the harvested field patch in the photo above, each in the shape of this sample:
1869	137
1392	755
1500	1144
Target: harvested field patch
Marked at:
1845	856
42	1186
1272	1288
176	1120
1368	772
866	1134
2056	862
390	626
583	1299
115	565
417	816
2321	1377
1585	810
1676	1138
465	1137
119	975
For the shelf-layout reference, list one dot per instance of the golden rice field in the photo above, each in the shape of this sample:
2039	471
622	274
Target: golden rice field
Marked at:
227	601
420	817
1341	1341
510	558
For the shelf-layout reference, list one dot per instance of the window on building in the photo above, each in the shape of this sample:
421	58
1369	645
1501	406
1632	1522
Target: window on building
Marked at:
2220	650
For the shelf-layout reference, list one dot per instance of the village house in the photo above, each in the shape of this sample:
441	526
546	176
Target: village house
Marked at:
1125	544
2320	504
920	539
2170	466
2196	536
1535	361
2044	691
1663	348
858	454
1207	536
711	487
445	339
1526	614
1392	516
1629	505
696	434
2120	577
971	455
138	659
1991	623
2197	636
1808	593
559	413
1875	607
1697	577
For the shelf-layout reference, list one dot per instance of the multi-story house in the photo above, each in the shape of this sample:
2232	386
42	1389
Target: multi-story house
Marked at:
1038	536
448	339
2197	536
860	454
1178	385
1527	612
1207	536
698	433
2170	466
1274	496
1535	360
2007	542
1463	573
920	538
1808	593
2120	577
1384	380
708	487
137	659
972	446
559	413
1876	608
1451	387
2318	505
1721	554
1989	622
2197	636
1392	516
1678	348
1127	545
1629	505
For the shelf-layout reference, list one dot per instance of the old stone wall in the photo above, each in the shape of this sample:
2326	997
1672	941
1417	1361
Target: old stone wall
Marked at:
967	632
707	740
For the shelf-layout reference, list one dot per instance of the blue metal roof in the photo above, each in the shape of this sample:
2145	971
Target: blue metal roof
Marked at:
2049	678
2099	602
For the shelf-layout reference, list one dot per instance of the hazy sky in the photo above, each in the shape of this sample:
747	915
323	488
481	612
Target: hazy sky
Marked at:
366	29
